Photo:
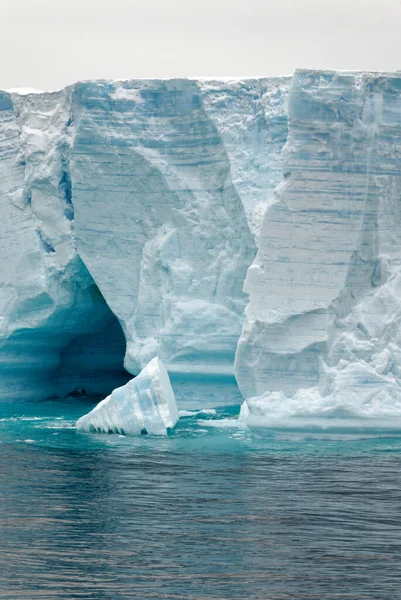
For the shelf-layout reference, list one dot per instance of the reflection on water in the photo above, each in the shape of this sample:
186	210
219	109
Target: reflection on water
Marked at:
209	513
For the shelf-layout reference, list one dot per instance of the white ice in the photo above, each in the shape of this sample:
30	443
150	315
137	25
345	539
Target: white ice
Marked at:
322	333
131	215
145	404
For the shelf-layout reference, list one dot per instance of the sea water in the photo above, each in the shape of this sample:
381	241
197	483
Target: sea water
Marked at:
210	512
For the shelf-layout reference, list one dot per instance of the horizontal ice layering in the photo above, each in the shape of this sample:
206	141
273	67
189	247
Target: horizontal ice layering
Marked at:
56	331
146	404
129	213
133	212
322	331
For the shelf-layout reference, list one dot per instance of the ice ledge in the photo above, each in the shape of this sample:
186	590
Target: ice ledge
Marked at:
25	91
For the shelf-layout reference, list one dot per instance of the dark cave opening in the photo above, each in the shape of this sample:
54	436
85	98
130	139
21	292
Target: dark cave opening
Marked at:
91	363
67	342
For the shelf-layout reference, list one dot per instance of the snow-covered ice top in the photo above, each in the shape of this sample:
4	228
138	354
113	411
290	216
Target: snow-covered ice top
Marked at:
145	404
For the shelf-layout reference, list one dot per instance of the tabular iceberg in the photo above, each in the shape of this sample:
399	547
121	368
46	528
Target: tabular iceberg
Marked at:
146	404
132	213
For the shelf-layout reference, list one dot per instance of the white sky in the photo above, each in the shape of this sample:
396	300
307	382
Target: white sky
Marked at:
47	44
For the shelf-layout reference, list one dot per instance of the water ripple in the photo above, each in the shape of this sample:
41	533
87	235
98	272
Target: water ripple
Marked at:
194	517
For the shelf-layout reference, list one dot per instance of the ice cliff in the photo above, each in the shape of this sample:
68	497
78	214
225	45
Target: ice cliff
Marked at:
133	212
56	331
130	213
322	330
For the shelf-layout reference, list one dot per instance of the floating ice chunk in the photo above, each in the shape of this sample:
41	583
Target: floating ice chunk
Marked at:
227	423
145	404
194	413
243	415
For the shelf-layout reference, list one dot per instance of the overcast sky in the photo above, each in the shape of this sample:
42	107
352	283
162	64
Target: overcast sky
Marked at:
47	44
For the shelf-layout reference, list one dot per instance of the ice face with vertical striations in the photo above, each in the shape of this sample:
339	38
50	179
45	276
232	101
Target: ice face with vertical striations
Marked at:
322	333
146	404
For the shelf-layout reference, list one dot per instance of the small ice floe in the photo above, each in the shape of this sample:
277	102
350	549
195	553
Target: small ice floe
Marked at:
146	404
194	413
228	423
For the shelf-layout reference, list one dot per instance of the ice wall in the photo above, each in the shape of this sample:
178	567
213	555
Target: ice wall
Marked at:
154	198
322	329
47	297
132	211
122	226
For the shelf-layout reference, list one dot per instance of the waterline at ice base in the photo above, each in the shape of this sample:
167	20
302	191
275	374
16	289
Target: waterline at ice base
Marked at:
246	232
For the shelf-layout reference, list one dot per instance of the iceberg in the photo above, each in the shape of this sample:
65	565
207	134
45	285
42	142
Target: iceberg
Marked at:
146	404
245	231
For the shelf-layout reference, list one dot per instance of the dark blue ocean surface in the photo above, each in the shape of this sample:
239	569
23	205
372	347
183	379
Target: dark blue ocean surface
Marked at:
209	513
